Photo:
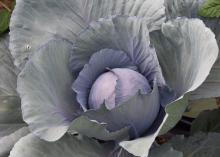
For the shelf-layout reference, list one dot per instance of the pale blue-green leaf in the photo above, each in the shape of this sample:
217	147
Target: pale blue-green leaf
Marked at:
165	151
10	111
127	34
7	142
6	129
48	102
67	146
211	87
184	41
183	44
94	129
207	121
199	145
182	8
35	22
141	146
190	8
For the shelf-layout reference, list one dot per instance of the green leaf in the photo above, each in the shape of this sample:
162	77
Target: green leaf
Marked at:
6	7
199	145
165	151
207	121
4	22
197	106
175	111
211	8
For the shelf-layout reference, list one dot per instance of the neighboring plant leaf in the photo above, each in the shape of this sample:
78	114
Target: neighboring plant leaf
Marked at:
199	145
207	121
165	151
197	106
4	20
5	14
175	111
211	8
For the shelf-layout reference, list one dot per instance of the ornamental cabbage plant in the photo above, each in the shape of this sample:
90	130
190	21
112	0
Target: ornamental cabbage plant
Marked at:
101	77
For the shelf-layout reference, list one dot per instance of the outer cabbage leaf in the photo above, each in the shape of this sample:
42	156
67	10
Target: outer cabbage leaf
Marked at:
68	146
199	145
165	151
48	102
10	112
190	8
9	101
141	146
184	41
207	121
6	129
33	22
7	142
123	33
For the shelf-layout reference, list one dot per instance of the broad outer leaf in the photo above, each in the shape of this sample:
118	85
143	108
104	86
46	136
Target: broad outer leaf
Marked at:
7	142
211	8
182	52
207	121
174	50
10	111
67	146
48	102
199	145
165	151
141	146
190	9
6	129
33	22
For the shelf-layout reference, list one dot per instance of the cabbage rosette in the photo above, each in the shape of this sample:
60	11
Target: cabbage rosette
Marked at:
108	70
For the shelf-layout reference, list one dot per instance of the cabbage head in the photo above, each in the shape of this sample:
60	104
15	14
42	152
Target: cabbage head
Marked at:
102	78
